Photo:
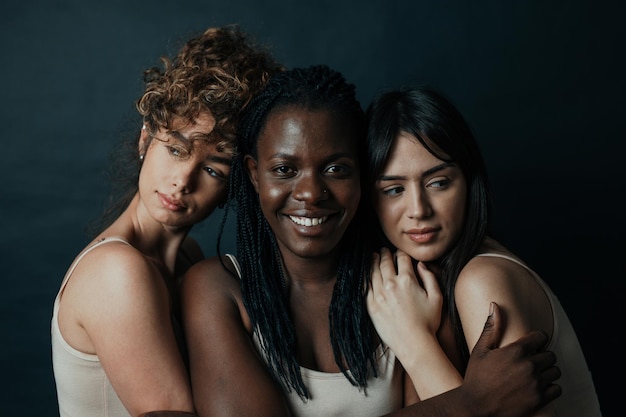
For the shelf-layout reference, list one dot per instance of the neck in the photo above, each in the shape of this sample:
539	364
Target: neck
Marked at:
156	241
310	272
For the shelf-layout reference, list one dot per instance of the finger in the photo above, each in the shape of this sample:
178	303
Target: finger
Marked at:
492	331
429	280
550	375
404	263
552	392
544	360
387	267
532	342
407	276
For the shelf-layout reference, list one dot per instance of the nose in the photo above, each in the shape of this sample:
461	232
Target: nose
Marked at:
418	203
183	177
310	188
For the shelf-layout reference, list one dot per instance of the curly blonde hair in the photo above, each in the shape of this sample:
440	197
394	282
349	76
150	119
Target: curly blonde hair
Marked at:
218	71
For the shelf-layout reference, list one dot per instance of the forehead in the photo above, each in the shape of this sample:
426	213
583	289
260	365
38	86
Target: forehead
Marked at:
203	124
408	152
303	130
199	134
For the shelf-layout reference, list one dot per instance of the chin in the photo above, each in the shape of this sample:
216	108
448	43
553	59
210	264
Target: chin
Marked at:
424	255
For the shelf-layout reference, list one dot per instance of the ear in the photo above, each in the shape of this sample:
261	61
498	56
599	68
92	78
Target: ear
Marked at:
251	168
144	140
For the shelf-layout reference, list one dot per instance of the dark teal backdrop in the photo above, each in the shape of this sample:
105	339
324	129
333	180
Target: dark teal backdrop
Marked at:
541	82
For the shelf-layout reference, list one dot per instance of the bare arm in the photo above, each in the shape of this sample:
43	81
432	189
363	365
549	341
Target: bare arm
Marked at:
406	315
121	308
228	377
513	381
517	293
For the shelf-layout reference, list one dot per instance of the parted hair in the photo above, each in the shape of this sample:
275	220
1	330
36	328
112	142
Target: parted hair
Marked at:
218	71
263	278
439	126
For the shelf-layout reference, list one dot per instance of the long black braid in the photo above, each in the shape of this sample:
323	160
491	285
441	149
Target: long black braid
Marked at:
263	280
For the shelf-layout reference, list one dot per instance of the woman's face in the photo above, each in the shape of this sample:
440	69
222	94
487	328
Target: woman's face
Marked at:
420	200
183	177
307	178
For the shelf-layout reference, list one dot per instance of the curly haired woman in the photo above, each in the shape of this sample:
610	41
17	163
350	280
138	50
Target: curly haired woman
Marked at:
116	343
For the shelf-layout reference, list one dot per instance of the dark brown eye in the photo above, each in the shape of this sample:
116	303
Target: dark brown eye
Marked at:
283	170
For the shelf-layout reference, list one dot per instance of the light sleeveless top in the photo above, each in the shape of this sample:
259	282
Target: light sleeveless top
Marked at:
333	395
83	389
579	398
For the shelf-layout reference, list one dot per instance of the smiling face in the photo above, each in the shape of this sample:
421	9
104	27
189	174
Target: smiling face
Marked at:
420	200
307	178
184	176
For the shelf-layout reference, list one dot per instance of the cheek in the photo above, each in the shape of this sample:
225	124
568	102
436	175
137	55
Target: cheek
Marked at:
148	177
455	213
354	197
271	193
388	216
270	198
209	191
459	219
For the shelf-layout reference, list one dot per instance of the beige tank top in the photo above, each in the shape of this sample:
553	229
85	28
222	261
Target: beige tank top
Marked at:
579	398
83	389
333	395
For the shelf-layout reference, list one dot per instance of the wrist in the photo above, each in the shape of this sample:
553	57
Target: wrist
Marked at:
429	368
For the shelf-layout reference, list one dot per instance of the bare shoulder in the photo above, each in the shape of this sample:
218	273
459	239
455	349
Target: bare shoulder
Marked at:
116	267
211	287
520	296
482	273
217	273
113	287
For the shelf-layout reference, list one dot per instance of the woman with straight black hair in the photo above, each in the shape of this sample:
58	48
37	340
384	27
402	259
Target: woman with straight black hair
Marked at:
430	191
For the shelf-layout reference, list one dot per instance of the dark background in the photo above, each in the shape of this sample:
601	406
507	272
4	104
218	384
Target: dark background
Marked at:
541	83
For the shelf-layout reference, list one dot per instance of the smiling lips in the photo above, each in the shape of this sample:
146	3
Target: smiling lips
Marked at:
171	203
308	221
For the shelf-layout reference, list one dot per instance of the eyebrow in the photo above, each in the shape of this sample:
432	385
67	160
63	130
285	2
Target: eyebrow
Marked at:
332	157
429	171
219	159
177	135
212	158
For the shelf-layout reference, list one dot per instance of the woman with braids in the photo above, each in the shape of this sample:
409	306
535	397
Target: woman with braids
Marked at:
431	195
116	342
282	329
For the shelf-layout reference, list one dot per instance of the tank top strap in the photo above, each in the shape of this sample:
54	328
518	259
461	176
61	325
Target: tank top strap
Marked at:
235	263
82	255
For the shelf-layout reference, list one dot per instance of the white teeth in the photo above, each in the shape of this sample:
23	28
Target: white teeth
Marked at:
308	221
